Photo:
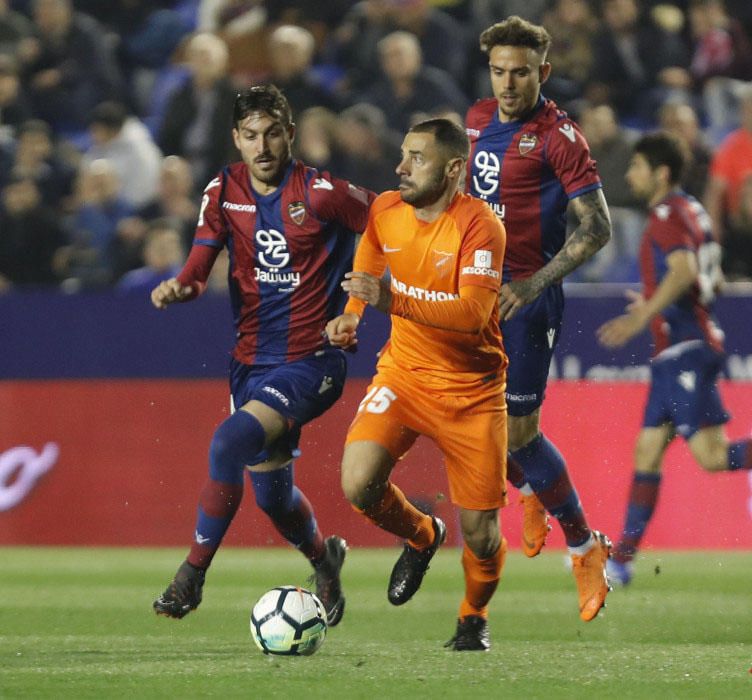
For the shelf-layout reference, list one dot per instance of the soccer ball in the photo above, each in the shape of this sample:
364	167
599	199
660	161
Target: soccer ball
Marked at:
289	621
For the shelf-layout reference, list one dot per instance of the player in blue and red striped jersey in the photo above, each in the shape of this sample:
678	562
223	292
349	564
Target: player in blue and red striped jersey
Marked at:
290	231
530	162
680	268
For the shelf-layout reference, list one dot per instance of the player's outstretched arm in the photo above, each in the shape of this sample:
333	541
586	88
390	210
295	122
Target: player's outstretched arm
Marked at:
368	288
168	292
681	275
592	233
341	330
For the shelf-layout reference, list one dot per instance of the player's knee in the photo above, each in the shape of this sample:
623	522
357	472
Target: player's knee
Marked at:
236	442
481	534
713	461
356	488
483	544
360	487
522	430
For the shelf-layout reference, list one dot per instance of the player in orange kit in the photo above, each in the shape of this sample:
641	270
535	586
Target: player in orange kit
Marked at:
441	374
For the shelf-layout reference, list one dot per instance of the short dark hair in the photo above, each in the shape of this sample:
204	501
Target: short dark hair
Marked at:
109	114
449	135
662	148
262	98
515	31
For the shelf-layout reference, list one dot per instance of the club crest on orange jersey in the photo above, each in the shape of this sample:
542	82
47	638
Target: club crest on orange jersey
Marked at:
527	143
297	212
442	260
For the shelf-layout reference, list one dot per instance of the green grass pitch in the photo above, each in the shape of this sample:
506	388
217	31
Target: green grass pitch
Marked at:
78	623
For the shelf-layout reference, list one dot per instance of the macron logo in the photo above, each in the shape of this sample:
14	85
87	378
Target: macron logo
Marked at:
277	394
320	184
232	206
200	538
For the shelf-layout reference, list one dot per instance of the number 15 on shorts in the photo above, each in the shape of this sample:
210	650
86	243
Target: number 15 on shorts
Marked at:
377	400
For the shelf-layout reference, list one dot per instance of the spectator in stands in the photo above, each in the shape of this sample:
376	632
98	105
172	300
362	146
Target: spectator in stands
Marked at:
572	26
291	51
14	107
729	168
88	261
163	257
680	119
174	197
30	234
737	241
721	60
637	65
15	33
195	122
611	147
74	67
407	86
443	41
315	138
369	152
127	145
37	159
148	36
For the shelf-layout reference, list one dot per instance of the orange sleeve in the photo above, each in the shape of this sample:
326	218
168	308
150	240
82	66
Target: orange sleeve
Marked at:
368	258
483	246
468	314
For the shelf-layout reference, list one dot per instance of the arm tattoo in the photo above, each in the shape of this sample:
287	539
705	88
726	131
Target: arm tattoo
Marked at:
591	234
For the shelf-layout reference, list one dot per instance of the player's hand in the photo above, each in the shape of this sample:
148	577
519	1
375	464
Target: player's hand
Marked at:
636	301
620	330
514	295
368	288
168	292
341	330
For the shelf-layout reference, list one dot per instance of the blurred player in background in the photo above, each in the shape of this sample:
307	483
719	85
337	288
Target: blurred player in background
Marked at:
530	162
680	269
442	372
290	232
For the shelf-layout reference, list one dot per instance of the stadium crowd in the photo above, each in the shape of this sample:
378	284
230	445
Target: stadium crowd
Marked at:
114	116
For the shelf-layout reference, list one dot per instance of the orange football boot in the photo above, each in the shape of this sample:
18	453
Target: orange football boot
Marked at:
590	575
535	525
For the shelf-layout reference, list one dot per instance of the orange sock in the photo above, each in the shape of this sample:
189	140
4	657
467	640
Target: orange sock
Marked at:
395	514
481	579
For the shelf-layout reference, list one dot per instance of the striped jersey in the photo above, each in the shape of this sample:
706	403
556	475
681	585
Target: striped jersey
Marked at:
288	253
528	170
679	222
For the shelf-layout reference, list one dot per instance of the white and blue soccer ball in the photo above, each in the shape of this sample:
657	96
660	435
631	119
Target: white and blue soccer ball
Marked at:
289	621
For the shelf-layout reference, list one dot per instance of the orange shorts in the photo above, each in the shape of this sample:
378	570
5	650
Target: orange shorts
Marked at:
470	430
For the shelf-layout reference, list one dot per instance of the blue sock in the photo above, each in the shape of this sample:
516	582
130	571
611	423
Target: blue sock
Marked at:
289	510
545	471
237	441
740	455
642	499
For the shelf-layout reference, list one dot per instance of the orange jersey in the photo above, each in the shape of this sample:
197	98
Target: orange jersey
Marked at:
430	262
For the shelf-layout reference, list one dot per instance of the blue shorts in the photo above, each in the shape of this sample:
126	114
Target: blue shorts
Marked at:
684	389
529	341
300	391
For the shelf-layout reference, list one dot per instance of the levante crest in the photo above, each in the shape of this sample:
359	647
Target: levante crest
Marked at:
296	210
527	143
